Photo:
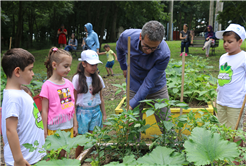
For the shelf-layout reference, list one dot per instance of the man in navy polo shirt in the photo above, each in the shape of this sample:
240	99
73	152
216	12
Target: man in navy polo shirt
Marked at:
150	55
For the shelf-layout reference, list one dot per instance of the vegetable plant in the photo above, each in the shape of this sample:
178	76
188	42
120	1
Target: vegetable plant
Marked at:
199	84
55	143
205	147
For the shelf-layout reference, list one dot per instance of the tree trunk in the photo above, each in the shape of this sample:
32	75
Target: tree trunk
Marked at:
19	26
104	22
0	29
97	26
30	23
113	30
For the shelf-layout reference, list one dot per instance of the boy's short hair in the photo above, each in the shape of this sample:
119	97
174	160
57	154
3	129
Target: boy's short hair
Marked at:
229	33
105	46
16	57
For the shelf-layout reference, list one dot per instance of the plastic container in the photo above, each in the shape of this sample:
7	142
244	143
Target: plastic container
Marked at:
38	100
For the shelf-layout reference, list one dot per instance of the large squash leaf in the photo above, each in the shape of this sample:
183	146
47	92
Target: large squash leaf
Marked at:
204	147
162	156
63	139
63	162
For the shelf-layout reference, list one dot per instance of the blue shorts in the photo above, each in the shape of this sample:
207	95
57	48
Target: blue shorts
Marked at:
110	64
88	118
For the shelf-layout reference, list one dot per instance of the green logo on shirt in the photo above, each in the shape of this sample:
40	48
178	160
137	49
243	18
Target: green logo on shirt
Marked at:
225	75
37	116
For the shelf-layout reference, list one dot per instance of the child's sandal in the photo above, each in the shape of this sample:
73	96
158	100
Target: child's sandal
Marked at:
112	74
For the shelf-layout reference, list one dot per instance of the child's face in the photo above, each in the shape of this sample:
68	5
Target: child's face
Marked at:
89	69
63	68
107	48
26	75
72	36
231	45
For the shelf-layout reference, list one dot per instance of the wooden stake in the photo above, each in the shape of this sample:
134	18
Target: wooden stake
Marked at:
182	81
241	112
10	41
128	73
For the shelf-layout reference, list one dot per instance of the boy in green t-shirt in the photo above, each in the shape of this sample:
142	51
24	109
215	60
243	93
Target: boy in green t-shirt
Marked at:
110	56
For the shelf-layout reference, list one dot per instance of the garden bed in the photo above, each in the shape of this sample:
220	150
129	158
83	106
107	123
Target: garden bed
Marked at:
154	130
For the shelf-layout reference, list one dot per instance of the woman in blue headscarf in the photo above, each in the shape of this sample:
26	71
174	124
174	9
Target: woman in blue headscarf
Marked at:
209	39
92	39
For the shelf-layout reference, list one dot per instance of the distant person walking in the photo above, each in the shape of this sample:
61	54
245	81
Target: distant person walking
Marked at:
62	32
185	39
92	40
209	39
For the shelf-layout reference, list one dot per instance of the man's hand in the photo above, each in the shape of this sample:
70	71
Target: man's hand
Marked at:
22	162
124	73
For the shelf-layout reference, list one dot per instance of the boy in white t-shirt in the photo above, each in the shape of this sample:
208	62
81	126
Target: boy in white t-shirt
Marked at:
21	121
232	76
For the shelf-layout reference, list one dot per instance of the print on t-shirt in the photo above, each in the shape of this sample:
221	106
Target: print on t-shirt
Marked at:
37	116
92	96
64	95
225	74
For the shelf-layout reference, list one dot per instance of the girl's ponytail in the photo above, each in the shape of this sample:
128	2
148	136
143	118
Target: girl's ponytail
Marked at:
48	63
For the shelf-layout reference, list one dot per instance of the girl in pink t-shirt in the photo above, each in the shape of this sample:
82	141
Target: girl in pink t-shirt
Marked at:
58	95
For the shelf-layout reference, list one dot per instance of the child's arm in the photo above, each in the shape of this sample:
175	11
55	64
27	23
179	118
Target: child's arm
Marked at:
14	143
75	122
45	107
101	53
103	107
115	56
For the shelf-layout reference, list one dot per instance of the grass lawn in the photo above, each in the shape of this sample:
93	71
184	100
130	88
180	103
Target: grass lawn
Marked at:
111	100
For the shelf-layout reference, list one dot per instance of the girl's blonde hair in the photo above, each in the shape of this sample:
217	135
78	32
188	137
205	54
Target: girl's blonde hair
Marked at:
54	55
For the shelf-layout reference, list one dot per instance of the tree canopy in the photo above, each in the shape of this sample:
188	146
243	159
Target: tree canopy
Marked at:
34	24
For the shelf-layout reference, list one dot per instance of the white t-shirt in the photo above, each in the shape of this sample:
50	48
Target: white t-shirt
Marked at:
231	80
87	99
17	103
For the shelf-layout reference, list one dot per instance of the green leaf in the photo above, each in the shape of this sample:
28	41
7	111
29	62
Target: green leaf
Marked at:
149	113
183	105
168	125
204	148
144	128
63	162
175	90
129	160
36	143
29	146
118	85
162	156
137	125
118	91
62	138
160	105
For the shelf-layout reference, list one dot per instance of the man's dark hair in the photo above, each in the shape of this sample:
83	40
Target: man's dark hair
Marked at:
154	30
229	33
16	57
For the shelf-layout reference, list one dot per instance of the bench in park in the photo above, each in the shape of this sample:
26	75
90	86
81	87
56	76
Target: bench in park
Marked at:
198	41
77	52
